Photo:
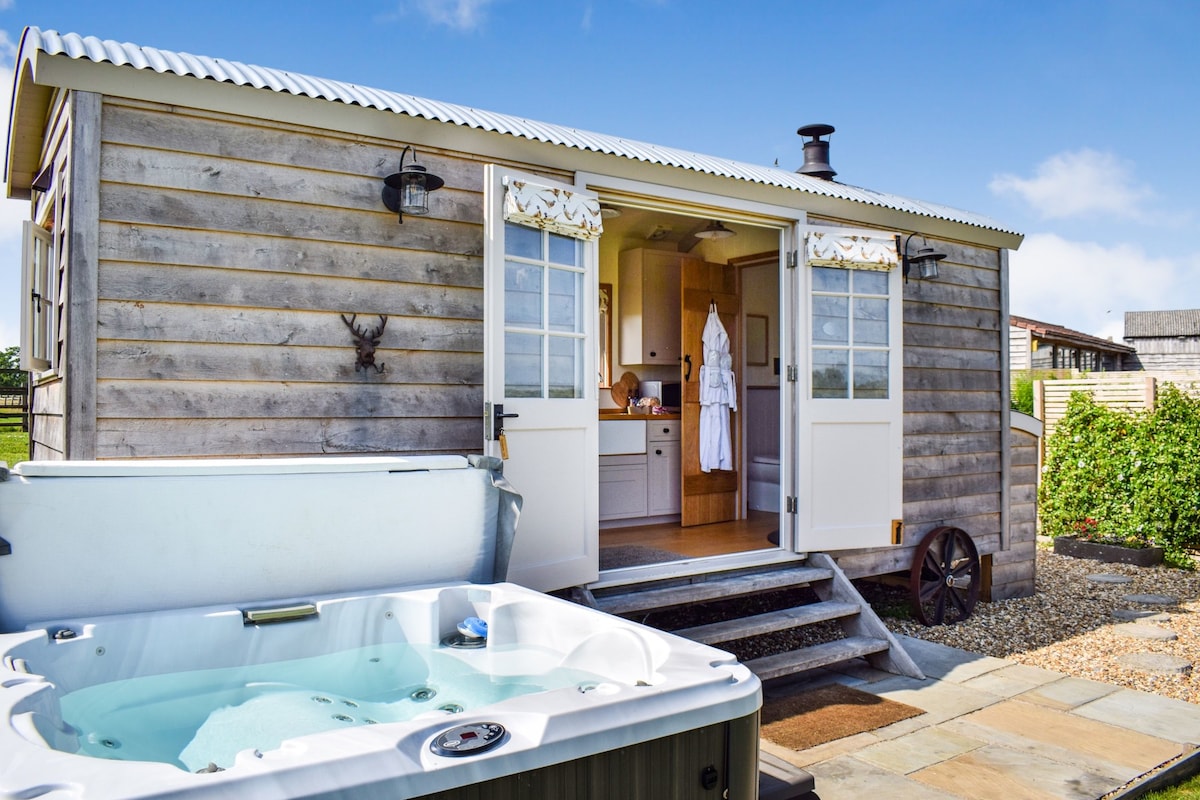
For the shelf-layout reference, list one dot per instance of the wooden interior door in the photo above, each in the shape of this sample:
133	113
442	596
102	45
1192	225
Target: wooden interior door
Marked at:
706	496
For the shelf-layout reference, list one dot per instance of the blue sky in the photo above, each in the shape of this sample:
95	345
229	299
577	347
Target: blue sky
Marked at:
1071	121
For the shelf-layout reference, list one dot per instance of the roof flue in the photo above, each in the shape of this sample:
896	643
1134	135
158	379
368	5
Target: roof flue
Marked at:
816	152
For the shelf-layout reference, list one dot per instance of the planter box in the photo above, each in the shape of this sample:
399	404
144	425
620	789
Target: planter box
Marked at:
1110	553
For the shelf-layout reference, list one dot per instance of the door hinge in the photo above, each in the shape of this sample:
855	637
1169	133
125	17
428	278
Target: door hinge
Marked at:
793	259
793	374
792	505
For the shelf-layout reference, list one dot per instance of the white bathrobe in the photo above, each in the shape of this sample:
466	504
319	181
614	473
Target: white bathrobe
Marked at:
718	396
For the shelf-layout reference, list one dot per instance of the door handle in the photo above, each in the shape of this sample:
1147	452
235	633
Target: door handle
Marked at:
687	363
498	417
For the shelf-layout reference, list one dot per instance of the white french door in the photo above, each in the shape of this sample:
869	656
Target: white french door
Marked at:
540	316
850	402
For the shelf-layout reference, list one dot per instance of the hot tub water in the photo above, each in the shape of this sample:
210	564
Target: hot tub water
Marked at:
205	717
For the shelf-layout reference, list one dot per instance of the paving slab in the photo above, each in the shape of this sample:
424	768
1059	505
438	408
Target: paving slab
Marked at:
1067	693
1173	720
949	663
1143	614
1012	680
1099	748
1156	662
996	729
1144	630
1152	599
1108	577
919	750
850	778
998	773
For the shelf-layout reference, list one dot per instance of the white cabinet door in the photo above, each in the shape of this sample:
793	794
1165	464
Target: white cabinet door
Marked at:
540	317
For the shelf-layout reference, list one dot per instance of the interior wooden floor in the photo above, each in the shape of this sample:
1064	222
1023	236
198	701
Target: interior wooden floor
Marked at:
718	538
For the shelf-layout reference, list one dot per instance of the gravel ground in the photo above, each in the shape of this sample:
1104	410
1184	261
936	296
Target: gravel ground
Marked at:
1068	625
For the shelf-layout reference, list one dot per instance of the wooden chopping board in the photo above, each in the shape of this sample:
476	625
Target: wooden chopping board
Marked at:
622	389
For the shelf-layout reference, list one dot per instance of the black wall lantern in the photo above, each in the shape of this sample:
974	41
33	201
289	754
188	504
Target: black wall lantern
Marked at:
924	261
407	191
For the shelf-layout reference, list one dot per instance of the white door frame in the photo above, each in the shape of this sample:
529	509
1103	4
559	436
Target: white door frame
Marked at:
790	223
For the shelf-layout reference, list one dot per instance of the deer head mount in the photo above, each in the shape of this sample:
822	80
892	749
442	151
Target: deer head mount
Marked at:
365	341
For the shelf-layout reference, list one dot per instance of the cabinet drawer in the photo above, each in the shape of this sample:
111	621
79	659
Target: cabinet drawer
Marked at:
622	489
666	430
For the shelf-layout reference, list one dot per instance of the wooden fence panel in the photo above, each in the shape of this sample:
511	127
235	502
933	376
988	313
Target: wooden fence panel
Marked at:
1127	391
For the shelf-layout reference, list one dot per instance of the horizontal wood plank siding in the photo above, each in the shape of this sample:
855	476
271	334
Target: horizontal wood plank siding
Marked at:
954	345
1013	569
230	249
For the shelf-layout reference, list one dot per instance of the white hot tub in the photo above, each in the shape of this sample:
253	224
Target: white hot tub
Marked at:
287	628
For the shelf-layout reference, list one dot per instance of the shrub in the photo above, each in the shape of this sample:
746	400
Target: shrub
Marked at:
1123	475
1022	393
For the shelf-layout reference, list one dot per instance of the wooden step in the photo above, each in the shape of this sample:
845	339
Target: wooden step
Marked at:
770	622
709	590
818	655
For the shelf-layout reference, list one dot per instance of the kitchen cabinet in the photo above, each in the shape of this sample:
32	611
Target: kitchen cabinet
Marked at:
644	480
662	468
622	487
648	306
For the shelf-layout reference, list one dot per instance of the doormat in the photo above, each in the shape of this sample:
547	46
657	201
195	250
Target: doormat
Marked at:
817	716
632	555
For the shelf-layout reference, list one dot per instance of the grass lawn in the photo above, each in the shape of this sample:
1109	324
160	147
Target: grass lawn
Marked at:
1188	790
14	446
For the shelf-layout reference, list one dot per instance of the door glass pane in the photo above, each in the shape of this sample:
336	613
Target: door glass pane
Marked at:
566	367
566	299
828	279
522	365
830	373
870	374
522	295
565	250
831	322
522	242
870	321
870	282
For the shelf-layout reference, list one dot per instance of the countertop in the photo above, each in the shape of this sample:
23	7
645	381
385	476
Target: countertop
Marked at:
616	413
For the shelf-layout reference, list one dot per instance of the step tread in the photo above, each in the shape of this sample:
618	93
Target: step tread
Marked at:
780	780
704	591
818	655
769	622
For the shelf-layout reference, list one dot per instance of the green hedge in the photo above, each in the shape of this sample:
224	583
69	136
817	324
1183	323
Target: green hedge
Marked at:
1121	475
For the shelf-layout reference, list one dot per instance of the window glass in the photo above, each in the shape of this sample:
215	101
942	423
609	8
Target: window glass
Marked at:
566	367
871	374
852	308
870	321
828	279
830	373
566	300
521	241
522	365
544	314
565	250
522	295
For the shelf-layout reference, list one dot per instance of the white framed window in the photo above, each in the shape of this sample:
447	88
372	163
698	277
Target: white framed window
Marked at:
39	300
851	345
544	313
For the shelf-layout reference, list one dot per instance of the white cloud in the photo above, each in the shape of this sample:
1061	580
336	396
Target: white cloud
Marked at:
462	15
1088	287
1079	184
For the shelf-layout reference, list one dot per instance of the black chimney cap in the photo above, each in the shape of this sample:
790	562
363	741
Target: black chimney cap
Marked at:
816	152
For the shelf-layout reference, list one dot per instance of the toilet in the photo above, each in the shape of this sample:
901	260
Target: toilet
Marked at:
764	483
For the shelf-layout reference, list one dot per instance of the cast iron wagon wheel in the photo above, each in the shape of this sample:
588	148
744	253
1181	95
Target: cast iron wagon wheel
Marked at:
944	582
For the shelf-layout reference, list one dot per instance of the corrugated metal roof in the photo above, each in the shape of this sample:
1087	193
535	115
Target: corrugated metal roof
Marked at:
234	72
1156	324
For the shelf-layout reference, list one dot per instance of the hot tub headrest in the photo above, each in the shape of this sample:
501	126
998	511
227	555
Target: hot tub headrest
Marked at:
107	537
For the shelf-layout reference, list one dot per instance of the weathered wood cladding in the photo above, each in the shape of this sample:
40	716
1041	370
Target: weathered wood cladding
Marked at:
953	408
953	404
229	249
